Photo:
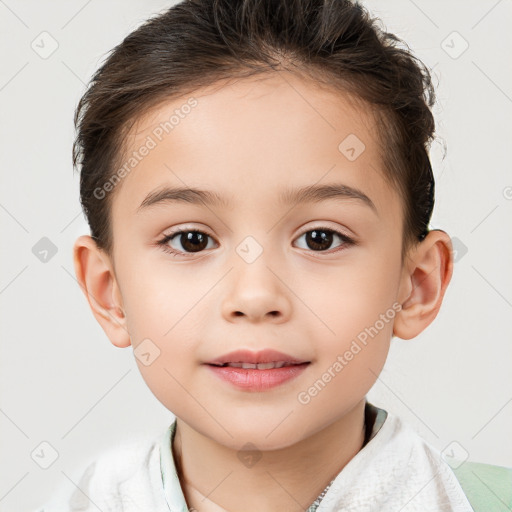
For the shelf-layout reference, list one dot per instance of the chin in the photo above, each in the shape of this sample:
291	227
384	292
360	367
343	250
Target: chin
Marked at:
258	435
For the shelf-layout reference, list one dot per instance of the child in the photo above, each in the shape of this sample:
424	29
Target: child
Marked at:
256	178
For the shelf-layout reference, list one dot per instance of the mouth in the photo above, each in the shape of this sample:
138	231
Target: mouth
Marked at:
257	371
258	366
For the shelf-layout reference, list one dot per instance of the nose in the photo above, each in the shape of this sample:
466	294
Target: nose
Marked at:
256	293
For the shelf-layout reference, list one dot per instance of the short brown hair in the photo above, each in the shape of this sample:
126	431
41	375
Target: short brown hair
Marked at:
196	43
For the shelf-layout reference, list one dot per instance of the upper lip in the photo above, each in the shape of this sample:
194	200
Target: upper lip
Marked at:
262	356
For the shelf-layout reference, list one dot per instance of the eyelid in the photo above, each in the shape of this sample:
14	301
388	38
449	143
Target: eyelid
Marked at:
187	227
325	225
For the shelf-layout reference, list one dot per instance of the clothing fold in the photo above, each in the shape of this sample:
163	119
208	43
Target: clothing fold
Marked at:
395	471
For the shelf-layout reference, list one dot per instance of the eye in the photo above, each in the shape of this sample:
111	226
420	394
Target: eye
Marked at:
192	241
320	238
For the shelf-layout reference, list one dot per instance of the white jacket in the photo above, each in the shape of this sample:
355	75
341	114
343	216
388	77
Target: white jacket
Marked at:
396	471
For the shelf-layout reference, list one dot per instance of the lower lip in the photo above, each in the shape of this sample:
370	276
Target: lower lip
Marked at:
258	380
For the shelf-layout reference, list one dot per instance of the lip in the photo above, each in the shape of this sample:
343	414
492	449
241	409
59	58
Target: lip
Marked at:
252	379
267	355
257	380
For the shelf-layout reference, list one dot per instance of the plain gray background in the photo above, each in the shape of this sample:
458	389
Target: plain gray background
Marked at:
62	381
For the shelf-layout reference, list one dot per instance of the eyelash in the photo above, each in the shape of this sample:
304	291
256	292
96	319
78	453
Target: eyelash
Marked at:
347	241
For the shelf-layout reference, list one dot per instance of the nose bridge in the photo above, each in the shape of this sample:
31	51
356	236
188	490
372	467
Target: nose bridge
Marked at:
255	236
253	258
255	288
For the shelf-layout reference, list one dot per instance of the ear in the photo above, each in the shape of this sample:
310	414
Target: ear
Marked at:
96	277
426	275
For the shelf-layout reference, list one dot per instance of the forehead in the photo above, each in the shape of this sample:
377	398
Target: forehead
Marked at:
250	140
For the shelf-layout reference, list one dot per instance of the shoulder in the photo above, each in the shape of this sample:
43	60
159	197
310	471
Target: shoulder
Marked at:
123	478
484	484
414	460
480	484
121	462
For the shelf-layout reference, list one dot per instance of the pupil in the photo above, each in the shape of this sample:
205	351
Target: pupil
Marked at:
318	238
193	241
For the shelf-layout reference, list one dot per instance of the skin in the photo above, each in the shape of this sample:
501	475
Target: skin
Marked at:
249	140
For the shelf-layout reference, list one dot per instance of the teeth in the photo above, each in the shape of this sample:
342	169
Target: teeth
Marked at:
258	366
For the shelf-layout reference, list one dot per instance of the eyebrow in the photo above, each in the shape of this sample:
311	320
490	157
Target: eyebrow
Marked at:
307	194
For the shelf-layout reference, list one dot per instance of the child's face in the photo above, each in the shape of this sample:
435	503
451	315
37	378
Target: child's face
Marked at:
249	142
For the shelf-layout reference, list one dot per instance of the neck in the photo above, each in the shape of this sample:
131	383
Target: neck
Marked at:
213	480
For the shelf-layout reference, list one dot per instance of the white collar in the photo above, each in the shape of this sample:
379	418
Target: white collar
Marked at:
395	471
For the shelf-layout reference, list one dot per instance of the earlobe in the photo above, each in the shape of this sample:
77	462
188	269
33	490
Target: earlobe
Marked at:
96	278
424	282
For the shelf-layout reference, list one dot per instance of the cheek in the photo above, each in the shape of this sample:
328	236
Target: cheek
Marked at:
162	308
165	345
355	306
160	297
352	297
